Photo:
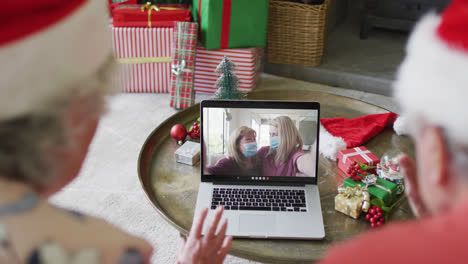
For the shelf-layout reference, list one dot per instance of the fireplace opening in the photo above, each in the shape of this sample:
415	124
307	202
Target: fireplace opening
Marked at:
396	14
365	44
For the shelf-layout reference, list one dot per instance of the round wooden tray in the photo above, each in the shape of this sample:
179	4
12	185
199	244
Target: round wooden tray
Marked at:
172	187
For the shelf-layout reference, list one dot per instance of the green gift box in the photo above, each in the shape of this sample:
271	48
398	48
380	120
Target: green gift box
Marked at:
384	190
231	23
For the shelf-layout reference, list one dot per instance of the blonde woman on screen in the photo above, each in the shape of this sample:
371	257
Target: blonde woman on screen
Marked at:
284	156
242	149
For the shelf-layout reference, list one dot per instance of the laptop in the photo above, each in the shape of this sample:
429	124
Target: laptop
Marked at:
260	161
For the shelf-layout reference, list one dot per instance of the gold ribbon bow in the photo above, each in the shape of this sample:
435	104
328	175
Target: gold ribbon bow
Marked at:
148	6
358	193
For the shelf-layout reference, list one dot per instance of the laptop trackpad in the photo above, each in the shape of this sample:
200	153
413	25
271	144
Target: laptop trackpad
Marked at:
257	224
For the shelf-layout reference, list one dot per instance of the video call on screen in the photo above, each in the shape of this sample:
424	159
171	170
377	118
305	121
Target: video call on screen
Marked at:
259	142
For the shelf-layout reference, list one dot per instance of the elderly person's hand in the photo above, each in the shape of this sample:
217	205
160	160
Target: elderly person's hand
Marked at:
211	248
408	167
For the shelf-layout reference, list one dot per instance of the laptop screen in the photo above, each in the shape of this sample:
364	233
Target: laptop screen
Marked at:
262	141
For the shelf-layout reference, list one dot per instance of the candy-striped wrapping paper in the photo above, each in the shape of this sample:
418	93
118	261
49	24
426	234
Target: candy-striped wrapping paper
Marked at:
248	66
145	57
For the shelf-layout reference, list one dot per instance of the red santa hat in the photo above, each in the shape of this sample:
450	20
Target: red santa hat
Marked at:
341	133
432	81
46	46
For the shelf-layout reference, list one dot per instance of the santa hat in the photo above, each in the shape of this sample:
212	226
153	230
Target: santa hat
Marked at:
432	81
46	46
341	133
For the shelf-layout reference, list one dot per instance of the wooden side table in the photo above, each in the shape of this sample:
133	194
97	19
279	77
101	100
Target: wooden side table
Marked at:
172	187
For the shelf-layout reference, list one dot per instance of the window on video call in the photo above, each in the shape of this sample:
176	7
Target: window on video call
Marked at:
260	142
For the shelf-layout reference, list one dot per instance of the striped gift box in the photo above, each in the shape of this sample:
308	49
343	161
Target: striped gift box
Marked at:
248	67
145	57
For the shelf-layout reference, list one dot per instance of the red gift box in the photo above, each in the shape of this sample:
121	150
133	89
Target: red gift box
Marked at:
150	15
114	4
360	154
145	57
248	67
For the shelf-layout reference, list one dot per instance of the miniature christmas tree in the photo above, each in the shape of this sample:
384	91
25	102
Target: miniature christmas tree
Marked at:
227	82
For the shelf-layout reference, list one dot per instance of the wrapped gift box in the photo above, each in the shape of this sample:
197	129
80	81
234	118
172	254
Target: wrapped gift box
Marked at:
352	201
157	2
232	24
188	153
149	16
360	154
145	58
183	65
384	190
248	67
113	4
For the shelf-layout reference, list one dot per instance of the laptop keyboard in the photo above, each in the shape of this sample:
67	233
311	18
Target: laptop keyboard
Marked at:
259	199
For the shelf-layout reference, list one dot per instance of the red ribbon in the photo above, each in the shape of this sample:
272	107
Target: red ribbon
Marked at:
226	24
199	19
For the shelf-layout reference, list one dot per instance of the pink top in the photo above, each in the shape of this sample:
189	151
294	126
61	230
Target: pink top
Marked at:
228	166
267	163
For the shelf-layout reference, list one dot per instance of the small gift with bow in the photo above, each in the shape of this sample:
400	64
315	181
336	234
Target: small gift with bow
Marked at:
148	15
378	187
183	64
359	154
352	201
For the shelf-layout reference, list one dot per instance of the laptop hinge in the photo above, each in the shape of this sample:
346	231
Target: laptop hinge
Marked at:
260	183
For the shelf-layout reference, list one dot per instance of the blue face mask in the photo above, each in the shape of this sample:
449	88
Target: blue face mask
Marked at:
250	149
274	142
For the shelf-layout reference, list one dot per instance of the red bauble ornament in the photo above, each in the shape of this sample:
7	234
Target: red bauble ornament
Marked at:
178	133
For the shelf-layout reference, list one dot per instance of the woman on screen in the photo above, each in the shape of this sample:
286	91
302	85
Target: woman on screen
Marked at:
242	149
284	156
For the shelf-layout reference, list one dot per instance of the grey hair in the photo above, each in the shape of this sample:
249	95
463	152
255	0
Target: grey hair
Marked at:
27	142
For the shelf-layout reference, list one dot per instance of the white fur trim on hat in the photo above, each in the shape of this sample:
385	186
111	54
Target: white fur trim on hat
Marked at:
44	65
432	81
400	126
329	145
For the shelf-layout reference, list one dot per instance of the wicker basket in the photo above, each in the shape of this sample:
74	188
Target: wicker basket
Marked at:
296	32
